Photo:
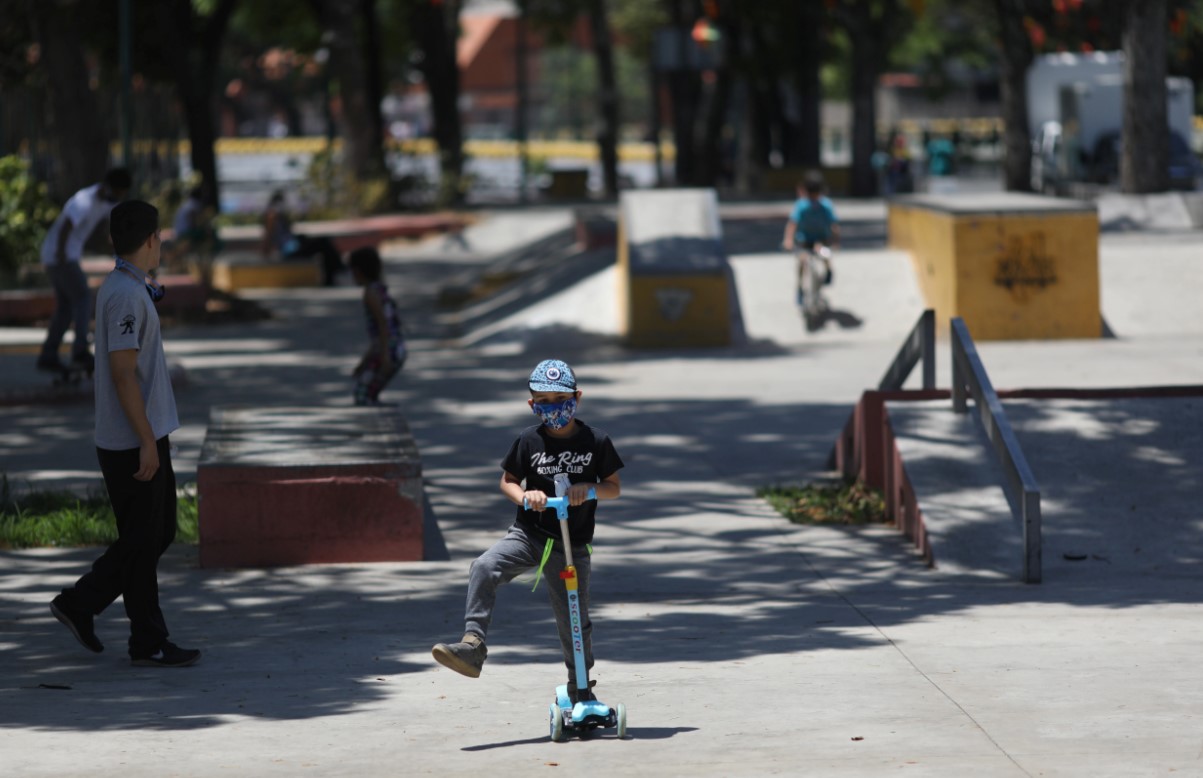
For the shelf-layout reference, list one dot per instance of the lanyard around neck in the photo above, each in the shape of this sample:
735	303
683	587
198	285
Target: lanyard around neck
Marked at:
153	287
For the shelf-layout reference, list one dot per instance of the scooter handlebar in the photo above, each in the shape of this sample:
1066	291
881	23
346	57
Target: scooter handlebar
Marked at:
560	504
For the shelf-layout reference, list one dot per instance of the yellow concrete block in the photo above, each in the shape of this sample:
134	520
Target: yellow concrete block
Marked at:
1014	267
674	284
678	311
232	274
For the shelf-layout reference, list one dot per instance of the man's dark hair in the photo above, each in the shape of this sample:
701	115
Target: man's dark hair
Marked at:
366	262
130	224
118	179
813	183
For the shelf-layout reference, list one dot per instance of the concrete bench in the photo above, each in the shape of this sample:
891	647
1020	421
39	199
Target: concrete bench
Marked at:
21	307
249	270
674	281
1014	266
301	485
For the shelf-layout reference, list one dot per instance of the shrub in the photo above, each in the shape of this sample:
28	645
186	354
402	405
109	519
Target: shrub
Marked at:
26	212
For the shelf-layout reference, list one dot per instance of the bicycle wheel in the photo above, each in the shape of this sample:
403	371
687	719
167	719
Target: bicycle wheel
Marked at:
811	289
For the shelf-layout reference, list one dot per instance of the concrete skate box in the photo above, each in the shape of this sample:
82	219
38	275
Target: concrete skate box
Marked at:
247	270
674	281
1013	266
297	485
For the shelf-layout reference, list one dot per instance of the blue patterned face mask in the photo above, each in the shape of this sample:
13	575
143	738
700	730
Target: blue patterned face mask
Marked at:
556	415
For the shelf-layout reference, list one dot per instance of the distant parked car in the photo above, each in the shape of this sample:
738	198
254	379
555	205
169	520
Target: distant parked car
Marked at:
1184	166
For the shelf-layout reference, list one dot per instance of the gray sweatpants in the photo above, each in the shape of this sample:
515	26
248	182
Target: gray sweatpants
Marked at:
513	555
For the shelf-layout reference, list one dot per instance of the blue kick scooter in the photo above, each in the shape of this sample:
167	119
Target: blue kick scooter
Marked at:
585	715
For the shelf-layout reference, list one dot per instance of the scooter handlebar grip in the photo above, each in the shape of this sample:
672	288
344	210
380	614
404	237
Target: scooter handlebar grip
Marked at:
560	504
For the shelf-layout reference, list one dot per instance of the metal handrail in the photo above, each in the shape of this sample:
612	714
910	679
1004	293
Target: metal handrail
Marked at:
1020	486
919	344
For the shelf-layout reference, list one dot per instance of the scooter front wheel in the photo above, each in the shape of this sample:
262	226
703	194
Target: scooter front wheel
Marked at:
621	715
557	723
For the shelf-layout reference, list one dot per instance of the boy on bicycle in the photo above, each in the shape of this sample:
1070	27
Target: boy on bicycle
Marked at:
812	222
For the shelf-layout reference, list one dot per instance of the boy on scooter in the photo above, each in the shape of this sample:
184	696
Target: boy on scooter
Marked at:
561	456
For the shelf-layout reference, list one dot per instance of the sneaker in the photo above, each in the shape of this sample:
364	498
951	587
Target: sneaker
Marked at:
51	365
575	695
466	657
170	655
84	361
79	623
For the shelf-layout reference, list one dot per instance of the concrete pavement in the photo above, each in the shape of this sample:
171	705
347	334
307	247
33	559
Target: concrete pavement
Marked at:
741	644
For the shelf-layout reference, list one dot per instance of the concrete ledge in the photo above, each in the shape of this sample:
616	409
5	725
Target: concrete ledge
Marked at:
233	272
1013	266
350	234
295	485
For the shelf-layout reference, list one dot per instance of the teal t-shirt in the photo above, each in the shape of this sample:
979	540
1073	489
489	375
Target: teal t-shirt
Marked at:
814	219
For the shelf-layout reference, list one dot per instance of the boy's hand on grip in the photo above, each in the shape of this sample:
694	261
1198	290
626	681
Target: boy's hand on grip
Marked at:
534	500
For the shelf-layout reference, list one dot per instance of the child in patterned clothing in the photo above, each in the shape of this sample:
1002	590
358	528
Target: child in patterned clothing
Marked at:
386	348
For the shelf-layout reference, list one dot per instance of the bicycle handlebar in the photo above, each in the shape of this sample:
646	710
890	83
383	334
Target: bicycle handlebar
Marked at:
560	504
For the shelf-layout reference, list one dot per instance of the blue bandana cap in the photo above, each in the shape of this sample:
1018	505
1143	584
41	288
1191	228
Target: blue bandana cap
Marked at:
552	375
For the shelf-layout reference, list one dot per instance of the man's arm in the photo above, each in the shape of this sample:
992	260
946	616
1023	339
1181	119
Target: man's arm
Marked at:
371	298
60	251
124	366
269	228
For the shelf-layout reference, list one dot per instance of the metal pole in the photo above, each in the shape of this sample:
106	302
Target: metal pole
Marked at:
959	401
521	107
1032	537
928	348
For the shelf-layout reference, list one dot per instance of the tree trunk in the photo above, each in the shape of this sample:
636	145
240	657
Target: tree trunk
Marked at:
864	125
685	92
1145	161
607	130
434	24
872	27
359	119
193	54
78	137
717	155
1015	58
806	149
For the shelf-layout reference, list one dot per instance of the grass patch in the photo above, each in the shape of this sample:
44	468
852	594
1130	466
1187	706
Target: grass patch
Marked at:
38	519
827	503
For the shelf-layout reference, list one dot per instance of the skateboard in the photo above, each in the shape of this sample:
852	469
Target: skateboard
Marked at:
68	375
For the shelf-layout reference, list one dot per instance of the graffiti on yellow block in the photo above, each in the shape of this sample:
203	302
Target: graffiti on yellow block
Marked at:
1024	266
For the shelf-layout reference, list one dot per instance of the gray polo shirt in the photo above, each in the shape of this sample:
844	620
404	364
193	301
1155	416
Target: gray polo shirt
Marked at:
126	319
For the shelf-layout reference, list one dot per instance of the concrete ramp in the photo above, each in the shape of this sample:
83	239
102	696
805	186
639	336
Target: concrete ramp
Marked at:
675	286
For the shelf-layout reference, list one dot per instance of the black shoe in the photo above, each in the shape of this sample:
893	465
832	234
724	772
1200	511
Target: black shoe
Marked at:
84	361
51	365
575	695
80	624
170	655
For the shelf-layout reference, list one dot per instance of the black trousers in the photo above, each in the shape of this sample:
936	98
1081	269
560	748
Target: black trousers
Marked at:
320	246
129	568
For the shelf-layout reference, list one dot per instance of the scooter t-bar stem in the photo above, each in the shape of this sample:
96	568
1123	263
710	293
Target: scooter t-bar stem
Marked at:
560	506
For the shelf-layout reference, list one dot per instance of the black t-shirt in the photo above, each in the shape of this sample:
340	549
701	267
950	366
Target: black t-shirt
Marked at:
540	459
